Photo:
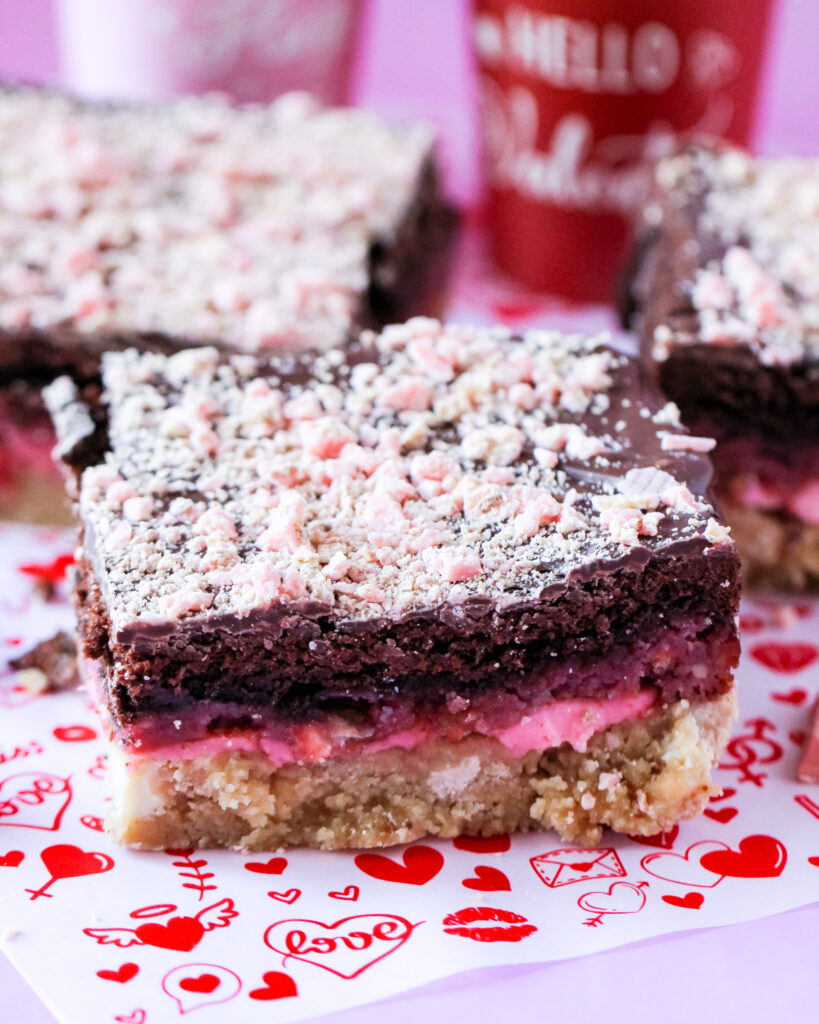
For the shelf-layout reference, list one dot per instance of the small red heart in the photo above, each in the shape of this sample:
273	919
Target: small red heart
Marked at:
11	859
814	861
582	866
723	815
204	983
663	840
779	657
286	897
691	900
121	974
488	880
49	572
74	733
350	893
275	866
797	736
757	857
137	1017
751	623
179	933
482	844
277	986
517	308
795	697
420	865
726	794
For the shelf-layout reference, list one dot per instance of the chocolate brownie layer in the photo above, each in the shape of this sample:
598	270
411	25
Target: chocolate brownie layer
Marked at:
452	512
283	227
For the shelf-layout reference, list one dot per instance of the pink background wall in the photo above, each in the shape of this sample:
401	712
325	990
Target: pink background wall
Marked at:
414	61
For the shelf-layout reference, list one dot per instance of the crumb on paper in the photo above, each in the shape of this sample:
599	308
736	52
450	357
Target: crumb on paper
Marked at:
9	934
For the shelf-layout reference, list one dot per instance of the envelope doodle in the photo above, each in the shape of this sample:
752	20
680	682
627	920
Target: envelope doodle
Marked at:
577	864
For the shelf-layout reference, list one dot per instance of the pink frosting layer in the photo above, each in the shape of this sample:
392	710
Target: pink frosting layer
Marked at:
561	721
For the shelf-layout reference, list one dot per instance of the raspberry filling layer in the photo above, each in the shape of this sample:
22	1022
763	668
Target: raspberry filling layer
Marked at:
623	687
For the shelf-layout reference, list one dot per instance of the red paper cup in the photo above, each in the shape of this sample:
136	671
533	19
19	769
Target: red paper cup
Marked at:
577	95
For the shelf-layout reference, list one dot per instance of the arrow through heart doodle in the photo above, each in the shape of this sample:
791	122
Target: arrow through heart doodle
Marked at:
619	898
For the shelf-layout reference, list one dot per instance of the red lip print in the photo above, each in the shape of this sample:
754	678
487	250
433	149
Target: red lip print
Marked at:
500	925
488	880
277	986
482	844
421	864
274	866
757	857
74	733
691	900
786	658
121	974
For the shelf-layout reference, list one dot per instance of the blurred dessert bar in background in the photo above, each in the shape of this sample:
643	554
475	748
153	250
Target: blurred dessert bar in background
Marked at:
724	291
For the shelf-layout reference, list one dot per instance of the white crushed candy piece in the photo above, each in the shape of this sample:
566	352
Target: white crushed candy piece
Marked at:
669	415
686	443
32	680
497	444
716	533
138	509
646	480
608	780
587	801
183	602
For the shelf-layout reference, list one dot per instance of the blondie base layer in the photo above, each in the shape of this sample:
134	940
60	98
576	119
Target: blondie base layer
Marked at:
452	580
725	280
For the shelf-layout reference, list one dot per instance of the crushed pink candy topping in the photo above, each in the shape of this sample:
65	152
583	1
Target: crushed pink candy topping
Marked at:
198	220
763	291
314	488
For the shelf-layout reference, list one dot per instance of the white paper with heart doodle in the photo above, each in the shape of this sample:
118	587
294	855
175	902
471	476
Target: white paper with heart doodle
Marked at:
106	934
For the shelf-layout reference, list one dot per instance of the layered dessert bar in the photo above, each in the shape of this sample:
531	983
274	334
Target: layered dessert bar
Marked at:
255	227
725	287
450	581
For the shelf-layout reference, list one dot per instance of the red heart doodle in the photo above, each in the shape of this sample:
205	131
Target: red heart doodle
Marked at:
482	844
274	866
66	861
421	864
340	947
488	924
814	861
619	898
786	658
350	893
488	880
74	733
34	800
751	624
286	897
12	859
691	900
92	822
795	697
49	572
662	840
723	815
757	857
726	794
179	933
205	983
517	309
137	1017
686	868
277	986
121	974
